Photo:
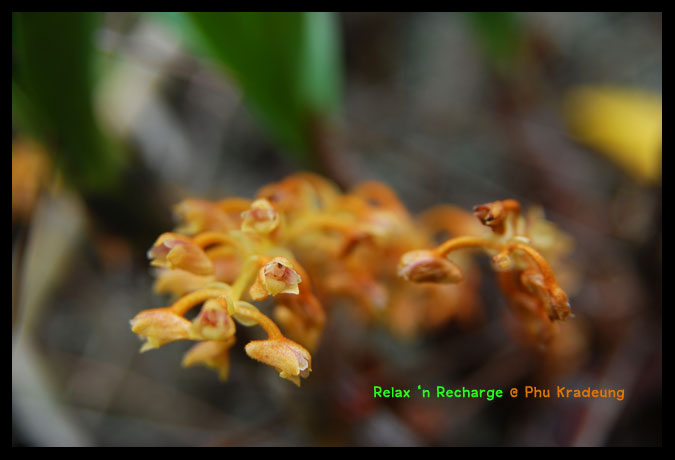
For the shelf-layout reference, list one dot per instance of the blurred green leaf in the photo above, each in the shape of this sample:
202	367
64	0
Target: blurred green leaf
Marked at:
24	114
499	35
322	66
287	65
52	94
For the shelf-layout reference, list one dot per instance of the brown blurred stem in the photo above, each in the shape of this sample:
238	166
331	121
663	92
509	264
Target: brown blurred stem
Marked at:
326	156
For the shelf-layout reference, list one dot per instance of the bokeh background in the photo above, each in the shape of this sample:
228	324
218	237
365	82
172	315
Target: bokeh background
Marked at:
118	116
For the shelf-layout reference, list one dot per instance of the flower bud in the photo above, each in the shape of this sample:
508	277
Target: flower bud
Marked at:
262	218
160	326
276	277
172	250
290	359
424	266
491	215
196	216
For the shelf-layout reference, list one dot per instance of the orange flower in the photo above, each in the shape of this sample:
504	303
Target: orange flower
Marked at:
160	326
172	250
213	354
290	359
262	218
276	277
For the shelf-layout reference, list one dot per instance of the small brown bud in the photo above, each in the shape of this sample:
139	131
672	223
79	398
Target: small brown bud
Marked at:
491	215
424	266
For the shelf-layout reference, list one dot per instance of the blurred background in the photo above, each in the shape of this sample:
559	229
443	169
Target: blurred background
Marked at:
118	116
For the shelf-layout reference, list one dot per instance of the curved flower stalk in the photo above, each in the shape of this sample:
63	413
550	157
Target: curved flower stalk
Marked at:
525	275
307	246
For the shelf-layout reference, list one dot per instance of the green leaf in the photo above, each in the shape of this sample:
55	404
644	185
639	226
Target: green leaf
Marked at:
287	65
52	88
500	36
24	115
322	69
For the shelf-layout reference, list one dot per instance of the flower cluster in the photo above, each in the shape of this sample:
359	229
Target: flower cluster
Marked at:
306	246
520	247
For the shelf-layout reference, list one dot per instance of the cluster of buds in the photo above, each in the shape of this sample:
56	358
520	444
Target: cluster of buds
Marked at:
307	246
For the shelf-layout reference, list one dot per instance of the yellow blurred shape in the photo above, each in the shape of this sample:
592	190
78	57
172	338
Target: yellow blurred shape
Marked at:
30	166
624	124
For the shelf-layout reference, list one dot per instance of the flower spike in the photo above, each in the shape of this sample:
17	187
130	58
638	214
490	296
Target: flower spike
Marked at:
306	244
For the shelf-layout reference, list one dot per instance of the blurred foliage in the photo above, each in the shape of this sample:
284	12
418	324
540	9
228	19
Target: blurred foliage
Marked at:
287	65
52	95
499	34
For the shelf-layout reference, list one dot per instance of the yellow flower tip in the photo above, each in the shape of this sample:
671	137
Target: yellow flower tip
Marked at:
214	321
276	277
172	250
424	266
261	218
290	359
150	344
160	326
293	378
